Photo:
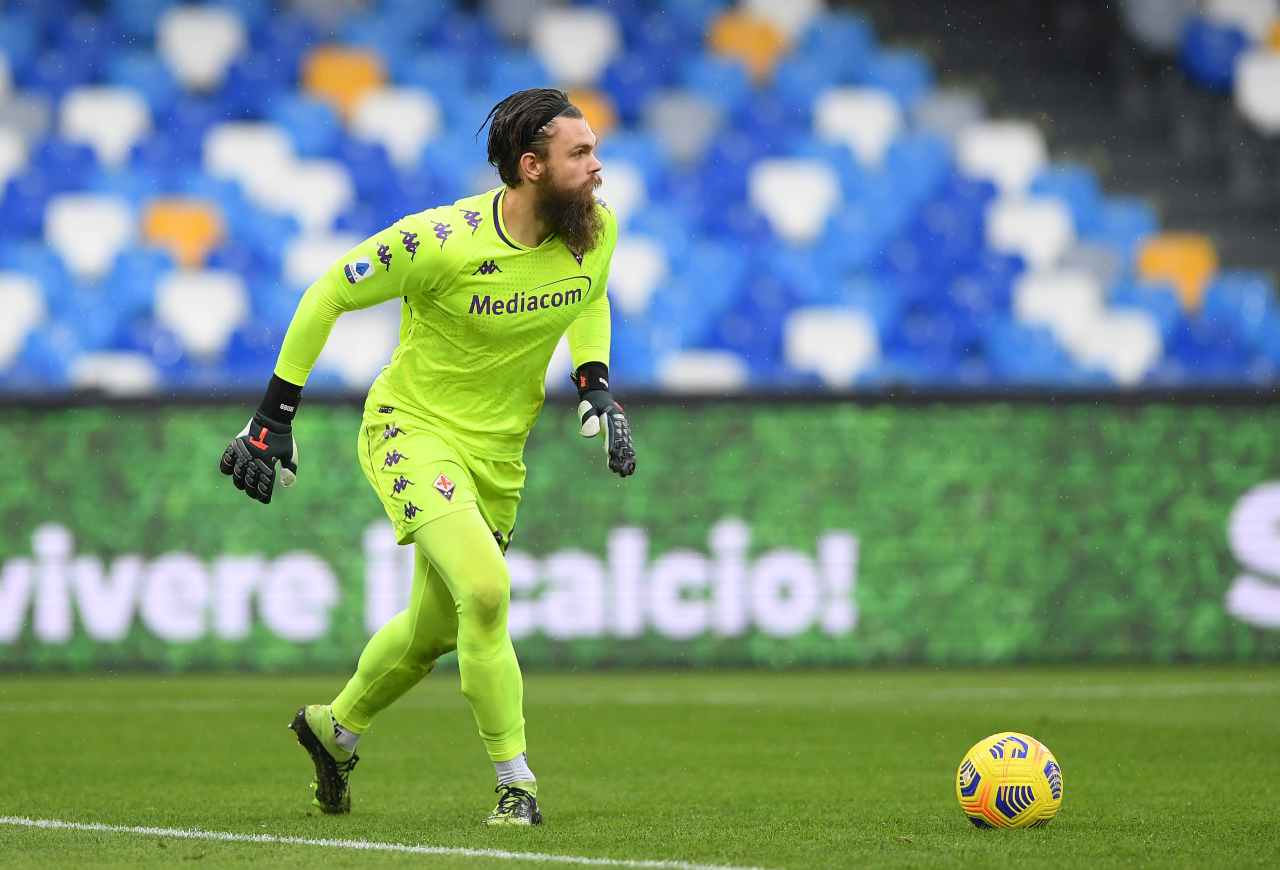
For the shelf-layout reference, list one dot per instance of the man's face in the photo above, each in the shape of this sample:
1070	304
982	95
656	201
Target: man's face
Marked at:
571	163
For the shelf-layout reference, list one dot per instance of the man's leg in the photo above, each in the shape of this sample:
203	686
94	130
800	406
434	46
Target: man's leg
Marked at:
402	652
394	660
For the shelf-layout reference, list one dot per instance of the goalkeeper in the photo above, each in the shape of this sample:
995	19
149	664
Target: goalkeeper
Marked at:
488	286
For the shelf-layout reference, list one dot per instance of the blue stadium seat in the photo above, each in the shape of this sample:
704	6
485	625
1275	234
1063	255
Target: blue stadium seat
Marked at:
904	74
845	38
19	38
631	80
506	72
136	19
55	72
22	203
313	125
1077	186
1122	223
146	74
1241	302
1209	52
725	83
1158	300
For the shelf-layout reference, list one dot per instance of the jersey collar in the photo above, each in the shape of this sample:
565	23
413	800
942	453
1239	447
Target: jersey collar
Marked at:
502	229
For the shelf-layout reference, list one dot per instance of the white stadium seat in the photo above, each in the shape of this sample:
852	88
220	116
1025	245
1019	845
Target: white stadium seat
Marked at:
837	343
236	149
108	119
683	122
593	33
1068	302
202	308
1008	153
361	343
198	43
623	189
867	120
28	114
314	192
1039	229
796	196
88	230
948	112
403	120
1257	89
1125	344
1158	24
117	373
6	80
792	18
1254	17
1100	260
639	267
13	154
513	18
703	371
24	309
311	254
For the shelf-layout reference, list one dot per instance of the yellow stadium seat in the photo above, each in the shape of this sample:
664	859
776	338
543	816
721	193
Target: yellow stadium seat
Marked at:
188	228
754	41
597	108
1185	260
1273	38
341	76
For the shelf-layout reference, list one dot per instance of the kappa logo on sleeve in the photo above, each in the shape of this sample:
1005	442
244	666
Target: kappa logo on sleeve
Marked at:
444	486
357	270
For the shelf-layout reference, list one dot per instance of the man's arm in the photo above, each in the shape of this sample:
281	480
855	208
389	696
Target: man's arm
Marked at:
382	267
597	411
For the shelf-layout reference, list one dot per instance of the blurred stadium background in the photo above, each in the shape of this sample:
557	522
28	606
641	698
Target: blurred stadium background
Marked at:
949	334
814	195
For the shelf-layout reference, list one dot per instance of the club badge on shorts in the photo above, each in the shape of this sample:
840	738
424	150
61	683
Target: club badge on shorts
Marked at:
444	486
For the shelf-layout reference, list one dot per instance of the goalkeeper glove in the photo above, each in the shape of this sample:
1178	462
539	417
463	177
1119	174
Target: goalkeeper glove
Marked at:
598	412
250	459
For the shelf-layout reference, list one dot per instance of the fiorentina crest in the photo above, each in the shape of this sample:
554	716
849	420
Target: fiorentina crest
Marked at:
444	486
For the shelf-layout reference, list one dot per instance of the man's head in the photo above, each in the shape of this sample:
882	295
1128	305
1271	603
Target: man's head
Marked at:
538	138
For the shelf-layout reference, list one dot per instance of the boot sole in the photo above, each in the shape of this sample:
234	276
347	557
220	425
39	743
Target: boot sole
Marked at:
328	784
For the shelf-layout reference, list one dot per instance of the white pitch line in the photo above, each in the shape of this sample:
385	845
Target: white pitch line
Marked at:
357	845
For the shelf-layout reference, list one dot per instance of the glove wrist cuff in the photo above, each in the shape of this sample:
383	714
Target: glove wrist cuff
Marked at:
281	400
591	376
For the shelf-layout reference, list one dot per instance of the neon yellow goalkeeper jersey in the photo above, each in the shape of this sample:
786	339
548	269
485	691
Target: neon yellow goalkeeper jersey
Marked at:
480	318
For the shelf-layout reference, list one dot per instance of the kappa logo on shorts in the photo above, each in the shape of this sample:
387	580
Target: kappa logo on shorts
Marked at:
444	486
411	511
400	484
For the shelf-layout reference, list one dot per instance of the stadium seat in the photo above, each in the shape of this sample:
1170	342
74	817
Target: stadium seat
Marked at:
108	119
1037	229
1185	260
403	120
199	42
865	119
1067	303
796	196
948	112
1254	17
1159	301
146	75
639	267
724	81
1077	187
903	74
593	33
597	108
312	254
1242	303
24	310
342	76
313	125
1124	344
6	78
1257	89
313	192
623	190
13	154
1102	262
1008	153
684	122
237	149
361	344
88	231
838	344
1158	24
202	309
137	18
116	373
28	114
791	19
1209	52
755	42
702	371
189	229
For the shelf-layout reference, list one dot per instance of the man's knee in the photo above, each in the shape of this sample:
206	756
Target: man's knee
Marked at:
485	602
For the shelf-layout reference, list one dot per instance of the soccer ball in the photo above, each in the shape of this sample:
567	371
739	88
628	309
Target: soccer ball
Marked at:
1009	780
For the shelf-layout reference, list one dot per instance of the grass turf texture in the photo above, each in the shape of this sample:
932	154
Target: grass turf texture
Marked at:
1162	766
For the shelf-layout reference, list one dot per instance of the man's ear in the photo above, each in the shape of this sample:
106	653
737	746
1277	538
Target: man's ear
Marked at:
531	167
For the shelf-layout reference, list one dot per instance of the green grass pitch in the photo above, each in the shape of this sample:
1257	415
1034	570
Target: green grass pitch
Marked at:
1162	767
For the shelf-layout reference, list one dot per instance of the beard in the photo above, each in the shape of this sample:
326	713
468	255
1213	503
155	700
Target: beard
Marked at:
571	213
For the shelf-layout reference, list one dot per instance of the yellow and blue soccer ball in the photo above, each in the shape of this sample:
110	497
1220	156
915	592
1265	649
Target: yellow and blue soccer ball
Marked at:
1009	780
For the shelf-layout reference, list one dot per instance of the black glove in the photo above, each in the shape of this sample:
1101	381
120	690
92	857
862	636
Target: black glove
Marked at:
250	459
598	412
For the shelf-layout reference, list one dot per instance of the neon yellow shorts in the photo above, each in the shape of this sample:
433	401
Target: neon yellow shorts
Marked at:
420	474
